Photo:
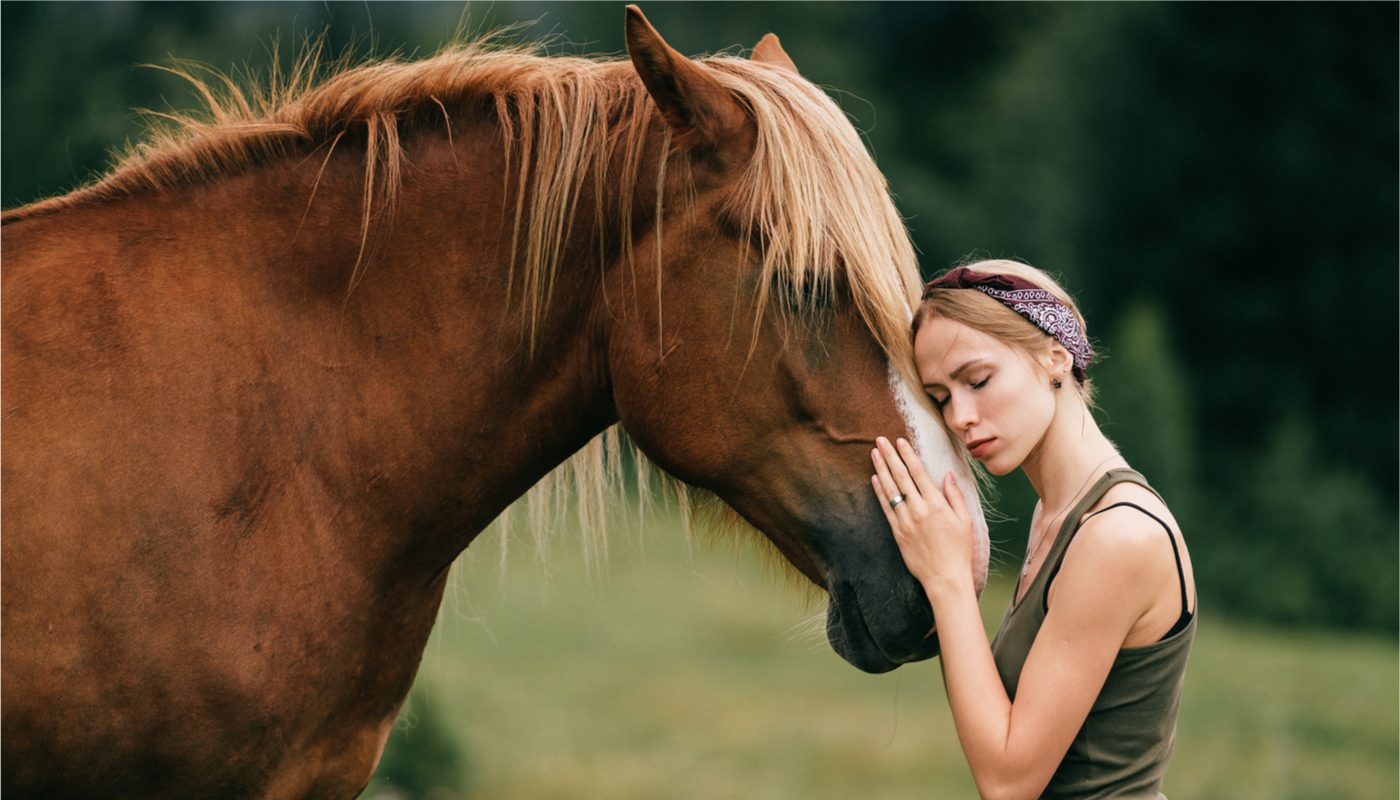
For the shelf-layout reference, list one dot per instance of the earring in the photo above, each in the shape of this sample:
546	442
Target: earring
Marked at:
1055	382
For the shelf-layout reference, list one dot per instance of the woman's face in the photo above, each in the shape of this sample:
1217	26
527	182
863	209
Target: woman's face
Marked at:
994	398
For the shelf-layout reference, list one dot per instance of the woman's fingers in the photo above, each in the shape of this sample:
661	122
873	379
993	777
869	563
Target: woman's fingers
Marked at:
917	473
890	488
898	471
953	494
882	472
883	498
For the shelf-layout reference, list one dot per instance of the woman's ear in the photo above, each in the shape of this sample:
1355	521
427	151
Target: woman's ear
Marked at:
1057	361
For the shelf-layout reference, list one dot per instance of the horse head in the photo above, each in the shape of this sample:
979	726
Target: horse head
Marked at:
773	345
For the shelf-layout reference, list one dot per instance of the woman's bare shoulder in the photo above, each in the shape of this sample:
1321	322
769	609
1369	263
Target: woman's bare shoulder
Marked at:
1141	563
1138	495
1128	538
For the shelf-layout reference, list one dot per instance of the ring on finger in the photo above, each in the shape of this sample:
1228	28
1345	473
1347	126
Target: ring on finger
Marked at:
896	500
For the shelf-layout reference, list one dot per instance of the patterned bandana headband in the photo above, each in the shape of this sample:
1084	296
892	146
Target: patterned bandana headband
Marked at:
1038	306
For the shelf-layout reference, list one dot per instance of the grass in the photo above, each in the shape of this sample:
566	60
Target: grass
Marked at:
692	672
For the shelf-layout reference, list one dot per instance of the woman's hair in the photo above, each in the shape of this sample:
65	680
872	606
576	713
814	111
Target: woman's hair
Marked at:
980	312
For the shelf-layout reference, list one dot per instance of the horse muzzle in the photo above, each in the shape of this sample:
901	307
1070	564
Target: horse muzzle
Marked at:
876	625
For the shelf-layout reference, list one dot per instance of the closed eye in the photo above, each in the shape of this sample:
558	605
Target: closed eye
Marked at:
940	402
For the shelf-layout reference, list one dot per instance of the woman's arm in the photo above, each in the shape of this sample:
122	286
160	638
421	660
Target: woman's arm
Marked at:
1014	748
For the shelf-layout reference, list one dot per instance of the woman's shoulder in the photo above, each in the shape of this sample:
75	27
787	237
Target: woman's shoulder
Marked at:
1136	494
1111	531
1127	554
1123	553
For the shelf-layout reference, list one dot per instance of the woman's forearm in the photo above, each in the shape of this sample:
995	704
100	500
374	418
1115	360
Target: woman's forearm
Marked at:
980	706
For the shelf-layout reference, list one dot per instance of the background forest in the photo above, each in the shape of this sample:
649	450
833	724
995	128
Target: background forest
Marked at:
1217	183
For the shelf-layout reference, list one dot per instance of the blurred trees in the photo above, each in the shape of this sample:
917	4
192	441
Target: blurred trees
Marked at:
1216	182
1145	408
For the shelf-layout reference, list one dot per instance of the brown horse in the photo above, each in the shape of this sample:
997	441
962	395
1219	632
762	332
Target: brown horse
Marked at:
269	377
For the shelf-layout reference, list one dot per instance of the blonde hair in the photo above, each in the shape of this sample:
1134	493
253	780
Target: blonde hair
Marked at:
990	316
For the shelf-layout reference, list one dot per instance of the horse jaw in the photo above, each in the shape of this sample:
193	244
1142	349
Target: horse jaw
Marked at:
940	455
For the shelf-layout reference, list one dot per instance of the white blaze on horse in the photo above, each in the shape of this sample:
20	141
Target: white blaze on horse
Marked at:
265	380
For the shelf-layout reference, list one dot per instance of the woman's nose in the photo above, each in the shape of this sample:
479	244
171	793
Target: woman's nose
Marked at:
964	415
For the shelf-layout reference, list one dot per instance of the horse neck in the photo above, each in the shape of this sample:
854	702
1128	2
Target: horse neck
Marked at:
487	402
411	404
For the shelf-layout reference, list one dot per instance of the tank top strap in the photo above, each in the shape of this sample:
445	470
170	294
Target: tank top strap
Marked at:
1071	522
1069	525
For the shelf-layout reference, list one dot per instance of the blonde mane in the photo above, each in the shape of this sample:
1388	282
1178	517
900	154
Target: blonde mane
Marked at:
811	194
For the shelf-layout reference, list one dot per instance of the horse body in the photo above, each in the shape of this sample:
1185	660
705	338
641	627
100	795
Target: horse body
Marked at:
232	490
210	437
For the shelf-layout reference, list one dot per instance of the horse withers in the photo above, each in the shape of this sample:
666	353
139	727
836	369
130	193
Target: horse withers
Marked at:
264	381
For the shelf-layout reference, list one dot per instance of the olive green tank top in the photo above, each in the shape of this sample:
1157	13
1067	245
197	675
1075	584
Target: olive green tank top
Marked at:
1124	745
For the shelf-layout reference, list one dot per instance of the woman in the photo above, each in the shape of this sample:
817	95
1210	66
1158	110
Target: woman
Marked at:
1078	693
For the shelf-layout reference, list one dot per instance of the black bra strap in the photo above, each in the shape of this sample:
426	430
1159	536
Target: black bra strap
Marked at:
1176	552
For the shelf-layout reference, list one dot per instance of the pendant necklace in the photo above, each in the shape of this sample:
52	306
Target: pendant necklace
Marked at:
1045	530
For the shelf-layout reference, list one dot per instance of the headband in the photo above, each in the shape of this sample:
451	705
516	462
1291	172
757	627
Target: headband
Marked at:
1038	306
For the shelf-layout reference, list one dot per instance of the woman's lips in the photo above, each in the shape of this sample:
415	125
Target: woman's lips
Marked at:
979	448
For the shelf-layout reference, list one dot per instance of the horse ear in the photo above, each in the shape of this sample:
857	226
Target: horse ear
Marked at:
696	105
770	51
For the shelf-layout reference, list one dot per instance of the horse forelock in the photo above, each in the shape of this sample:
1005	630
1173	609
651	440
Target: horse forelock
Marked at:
821	207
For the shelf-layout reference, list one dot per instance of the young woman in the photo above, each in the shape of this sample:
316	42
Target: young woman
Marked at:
1077	695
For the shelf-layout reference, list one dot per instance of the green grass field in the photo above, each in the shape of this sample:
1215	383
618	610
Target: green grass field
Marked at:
683	671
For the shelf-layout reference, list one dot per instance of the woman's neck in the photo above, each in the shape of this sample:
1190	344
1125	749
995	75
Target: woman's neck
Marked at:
1070	454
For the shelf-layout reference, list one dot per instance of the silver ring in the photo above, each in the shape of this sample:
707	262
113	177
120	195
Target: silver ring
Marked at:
896	500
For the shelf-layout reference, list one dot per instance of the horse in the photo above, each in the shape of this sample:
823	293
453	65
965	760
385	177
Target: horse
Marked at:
270	375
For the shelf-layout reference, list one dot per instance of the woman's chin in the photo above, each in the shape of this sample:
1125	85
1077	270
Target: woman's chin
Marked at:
1000	465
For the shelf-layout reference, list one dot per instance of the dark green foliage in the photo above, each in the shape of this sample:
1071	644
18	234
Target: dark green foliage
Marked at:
1216	182
1146	409
1306	542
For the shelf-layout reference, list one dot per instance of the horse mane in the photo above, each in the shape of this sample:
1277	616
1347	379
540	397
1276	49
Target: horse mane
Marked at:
811	197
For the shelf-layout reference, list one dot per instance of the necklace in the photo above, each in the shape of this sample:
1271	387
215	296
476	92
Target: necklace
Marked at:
1045	530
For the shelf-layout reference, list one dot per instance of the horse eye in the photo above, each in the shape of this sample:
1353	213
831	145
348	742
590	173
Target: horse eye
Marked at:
811	295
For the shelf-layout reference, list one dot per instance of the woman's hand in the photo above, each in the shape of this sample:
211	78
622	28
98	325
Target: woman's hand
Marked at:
931	524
